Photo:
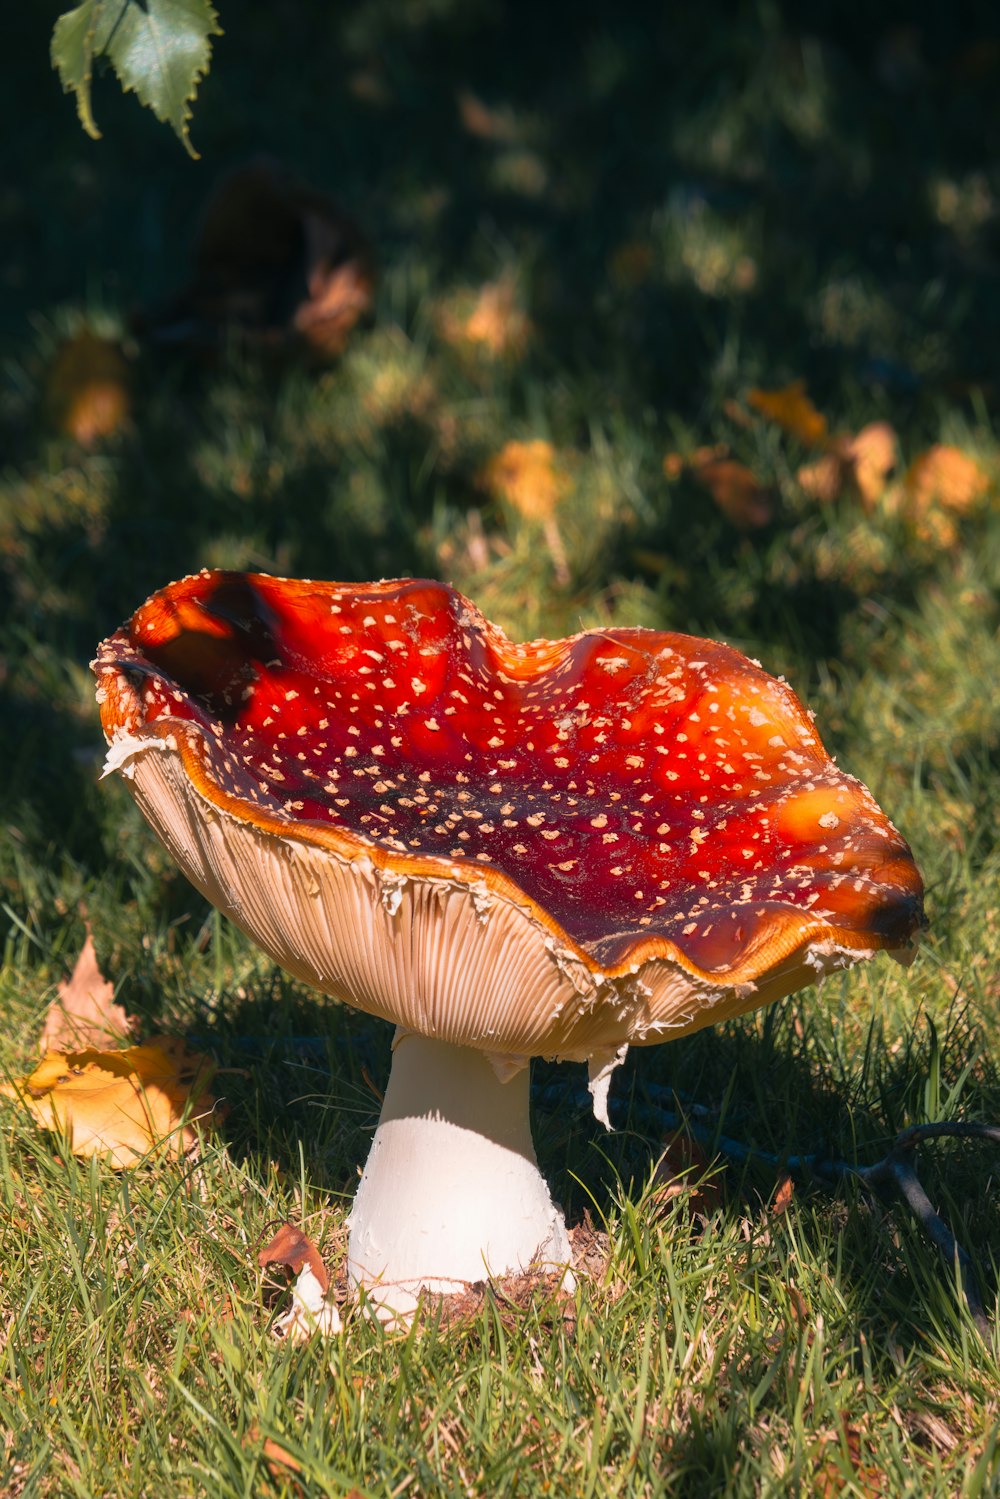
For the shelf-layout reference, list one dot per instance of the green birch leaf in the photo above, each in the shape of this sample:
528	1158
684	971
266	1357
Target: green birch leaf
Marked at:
160	50
72	54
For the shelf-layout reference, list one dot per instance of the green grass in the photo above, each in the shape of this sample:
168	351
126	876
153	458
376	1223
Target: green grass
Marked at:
807	203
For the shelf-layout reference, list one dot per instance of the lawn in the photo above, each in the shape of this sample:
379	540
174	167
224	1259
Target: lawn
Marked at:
602	232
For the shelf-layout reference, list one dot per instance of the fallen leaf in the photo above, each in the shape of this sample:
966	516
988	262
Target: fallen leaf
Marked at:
276	262
293	1250
279	1460
736	491
529	476
481	120
873	452
122	1105
684	1170
791	408
632	263
88	389
945	476
85	1013
861	463
491	319
783	1197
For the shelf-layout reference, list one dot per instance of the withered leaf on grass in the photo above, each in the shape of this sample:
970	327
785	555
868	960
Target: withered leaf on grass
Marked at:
530	476
947	477
276	262
491	320
791	408
862	463
85	1013
122	1105
736	491
88	388
683	1170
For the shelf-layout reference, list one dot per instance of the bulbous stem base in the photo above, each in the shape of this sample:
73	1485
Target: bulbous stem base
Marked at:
451	1192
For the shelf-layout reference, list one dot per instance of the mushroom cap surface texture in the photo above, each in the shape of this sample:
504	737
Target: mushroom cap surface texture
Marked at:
556	848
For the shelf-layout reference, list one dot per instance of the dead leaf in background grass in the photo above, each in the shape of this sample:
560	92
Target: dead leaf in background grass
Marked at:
85	1013
791	408
945	476
492	320
783	1197
121	1105
862	463
277	262
88	389
532	478
736	491
683	1170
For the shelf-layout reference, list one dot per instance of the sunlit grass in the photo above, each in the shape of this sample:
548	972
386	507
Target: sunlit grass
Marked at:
676	223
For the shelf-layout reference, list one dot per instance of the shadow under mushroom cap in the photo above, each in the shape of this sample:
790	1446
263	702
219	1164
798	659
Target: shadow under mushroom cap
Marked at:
642	798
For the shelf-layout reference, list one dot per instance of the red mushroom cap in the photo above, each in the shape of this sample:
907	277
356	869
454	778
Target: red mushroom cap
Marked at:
653	806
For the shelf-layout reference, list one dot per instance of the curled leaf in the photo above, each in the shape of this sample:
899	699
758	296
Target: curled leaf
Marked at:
945	476
293	1250
121	1105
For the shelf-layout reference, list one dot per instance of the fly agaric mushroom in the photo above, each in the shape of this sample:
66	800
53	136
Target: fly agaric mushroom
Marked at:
561	848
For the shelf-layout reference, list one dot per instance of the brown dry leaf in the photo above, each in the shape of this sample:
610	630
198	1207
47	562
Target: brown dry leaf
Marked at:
682	1170
791	408
825	479
122	1105
277	262
783	1197
632	263
293	1250
85	1013
528	475
945	476
484	122
88	389
736	491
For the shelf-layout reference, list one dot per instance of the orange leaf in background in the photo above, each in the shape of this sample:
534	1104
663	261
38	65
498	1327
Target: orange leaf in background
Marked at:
484	122
85	1013
783	1197
529	476
736	491
292	1250
88	389
947	477
791	409
122	1105
862	463
493	321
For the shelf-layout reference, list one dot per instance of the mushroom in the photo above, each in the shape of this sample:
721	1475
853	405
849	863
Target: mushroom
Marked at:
559	848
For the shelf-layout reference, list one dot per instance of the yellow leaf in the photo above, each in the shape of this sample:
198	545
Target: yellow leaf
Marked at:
947	477
88	389
528	476
791	409
491	320
122	1105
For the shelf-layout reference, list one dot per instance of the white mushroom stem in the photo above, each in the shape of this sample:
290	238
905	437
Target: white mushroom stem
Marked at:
451	1192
